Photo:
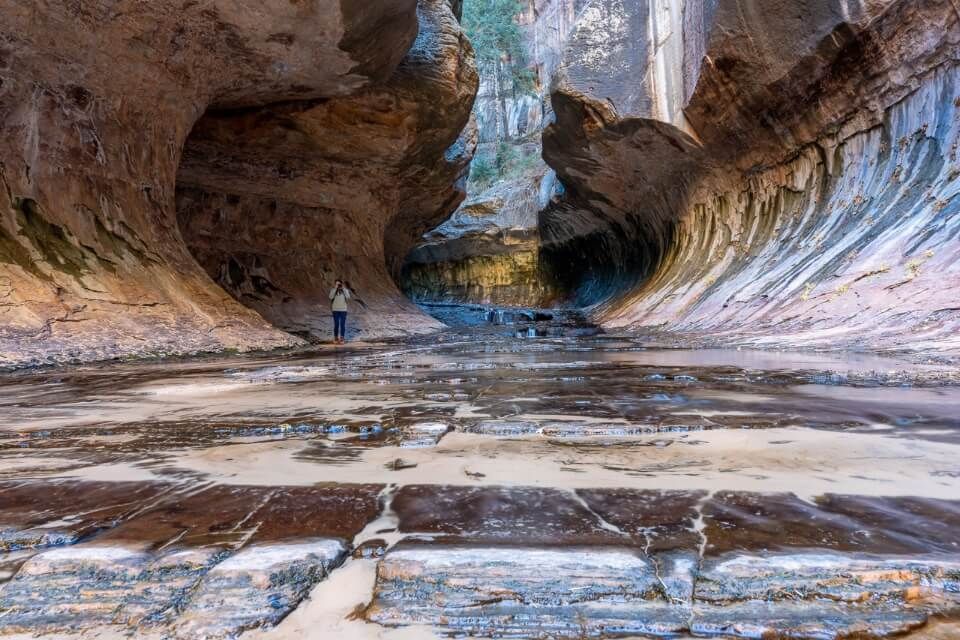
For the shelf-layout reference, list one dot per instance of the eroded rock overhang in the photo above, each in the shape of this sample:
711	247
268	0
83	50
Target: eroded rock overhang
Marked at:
278	202
98	103
762	174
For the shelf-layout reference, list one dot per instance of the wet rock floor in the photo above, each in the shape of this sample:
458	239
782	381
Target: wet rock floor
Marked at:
483	485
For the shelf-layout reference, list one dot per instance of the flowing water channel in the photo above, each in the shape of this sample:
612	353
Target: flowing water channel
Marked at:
494	481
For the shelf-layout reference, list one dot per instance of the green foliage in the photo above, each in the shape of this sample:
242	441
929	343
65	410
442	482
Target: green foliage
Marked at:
483	172
513	161
492	29
507	155
497	38
508	161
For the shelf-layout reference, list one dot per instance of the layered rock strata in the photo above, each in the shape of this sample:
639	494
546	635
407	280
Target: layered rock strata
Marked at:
192	561
488	252
765	176
209	563
620	563
97	104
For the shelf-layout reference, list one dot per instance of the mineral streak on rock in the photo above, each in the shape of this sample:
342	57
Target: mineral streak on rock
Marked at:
765	175
97	104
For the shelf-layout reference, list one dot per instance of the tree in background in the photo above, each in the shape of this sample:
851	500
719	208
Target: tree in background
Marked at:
493	29
497	39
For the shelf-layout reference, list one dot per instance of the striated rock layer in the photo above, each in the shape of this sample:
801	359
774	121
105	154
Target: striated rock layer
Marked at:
487	252
97	103
762	174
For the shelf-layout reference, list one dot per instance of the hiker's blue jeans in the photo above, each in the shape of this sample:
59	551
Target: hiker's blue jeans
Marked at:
340	324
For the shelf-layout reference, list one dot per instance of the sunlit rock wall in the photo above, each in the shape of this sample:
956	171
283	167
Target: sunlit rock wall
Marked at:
493	254
97	101
487	252
763	174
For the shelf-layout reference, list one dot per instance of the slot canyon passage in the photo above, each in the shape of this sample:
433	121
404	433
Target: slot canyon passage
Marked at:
655	326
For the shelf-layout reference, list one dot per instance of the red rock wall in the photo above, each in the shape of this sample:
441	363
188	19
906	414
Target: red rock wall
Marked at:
277	203
97	100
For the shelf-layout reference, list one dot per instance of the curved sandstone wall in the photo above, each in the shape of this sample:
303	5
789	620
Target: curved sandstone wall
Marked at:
762	174
97	101
277	203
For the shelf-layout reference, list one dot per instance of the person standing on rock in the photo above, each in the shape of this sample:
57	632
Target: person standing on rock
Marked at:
338	304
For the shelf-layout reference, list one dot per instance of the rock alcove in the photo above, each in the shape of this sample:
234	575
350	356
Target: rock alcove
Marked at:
163	161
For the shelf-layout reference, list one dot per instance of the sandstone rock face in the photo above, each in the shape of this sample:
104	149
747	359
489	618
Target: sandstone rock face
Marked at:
279	202
784	172
98	101
489	251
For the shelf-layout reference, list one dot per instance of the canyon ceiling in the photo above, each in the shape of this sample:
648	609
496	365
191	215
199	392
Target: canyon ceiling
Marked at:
191	176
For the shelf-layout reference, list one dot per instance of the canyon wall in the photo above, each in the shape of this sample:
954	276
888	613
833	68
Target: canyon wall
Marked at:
98	100
277	203
762	173
489	250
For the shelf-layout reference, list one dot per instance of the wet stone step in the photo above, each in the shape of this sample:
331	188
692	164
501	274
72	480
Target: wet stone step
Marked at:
822	620
741	521
423	434
137	572
38	514
212	562
90	586
831	576
576	429
575	592
258	586
523	515
526	592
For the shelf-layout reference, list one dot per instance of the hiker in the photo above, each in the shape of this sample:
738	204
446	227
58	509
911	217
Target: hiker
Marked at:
338	303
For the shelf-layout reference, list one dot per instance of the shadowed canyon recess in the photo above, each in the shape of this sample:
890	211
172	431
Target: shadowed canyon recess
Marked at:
655	319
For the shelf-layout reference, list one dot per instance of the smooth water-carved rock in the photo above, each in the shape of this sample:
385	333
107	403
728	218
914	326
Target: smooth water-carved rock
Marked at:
512	561
801	188
257	587
524	592
37	515
278	203
211	563
97	106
